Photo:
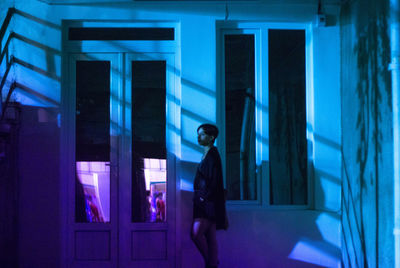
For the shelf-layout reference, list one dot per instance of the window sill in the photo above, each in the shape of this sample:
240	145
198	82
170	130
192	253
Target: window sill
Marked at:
256	205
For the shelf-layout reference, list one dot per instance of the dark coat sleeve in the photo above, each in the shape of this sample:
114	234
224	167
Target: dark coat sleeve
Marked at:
215	186
213	177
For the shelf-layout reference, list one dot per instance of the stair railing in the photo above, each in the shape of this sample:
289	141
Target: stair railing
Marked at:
4	55
11	60
5	23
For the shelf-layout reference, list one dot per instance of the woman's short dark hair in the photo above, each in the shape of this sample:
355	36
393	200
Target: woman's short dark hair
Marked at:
209	129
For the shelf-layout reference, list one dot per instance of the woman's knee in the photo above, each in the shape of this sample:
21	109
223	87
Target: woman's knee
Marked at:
195	234
198	229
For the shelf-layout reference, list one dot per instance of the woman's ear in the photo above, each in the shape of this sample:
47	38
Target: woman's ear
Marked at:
213	139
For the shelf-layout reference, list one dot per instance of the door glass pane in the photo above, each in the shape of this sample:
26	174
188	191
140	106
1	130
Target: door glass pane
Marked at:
124	33
287	117
239	117
92	151
149	173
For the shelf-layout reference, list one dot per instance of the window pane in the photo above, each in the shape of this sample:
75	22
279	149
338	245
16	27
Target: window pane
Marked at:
98	33
239	117
287	117
92	151
149	173
92	191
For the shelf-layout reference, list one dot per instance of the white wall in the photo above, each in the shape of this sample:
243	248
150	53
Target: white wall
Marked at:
256	236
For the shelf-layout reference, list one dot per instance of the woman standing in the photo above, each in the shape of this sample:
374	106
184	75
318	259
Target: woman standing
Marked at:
208	201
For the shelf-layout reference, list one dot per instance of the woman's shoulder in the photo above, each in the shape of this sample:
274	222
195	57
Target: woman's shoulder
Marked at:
213	154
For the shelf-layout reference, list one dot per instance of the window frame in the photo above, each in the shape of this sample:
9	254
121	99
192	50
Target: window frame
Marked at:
260	31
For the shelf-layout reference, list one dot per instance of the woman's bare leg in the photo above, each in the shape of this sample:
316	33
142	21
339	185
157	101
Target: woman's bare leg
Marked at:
211	236
199	229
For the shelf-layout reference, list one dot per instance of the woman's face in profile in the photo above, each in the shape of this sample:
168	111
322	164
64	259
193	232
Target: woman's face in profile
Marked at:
204	139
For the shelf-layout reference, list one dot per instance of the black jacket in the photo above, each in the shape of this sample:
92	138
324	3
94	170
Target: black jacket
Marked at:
208	185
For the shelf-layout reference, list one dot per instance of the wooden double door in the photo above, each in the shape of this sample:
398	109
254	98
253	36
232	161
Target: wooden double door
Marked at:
121	186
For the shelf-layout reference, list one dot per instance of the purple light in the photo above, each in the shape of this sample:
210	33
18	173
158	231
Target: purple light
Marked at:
95	179
155	171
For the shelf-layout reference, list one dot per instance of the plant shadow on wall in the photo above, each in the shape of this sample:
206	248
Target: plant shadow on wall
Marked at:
372	55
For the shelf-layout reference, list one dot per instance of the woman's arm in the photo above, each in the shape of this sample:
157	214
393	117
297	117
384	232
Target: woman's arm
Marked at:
214	175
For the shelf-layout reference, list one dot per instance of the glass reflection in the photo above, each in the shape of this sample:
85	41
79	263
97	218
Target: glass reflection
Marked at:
240	117
92	192
92	147
148	141
155	174
287	117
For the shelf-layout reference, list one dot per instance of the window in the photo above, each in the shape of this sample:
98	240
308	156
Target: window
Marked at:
287	117
149	174
239	117
264	115
92	153
120	33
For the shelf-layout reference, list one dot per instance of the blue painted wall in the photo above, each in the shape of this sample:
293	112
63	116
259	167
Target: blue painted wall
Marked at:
257	236
367	203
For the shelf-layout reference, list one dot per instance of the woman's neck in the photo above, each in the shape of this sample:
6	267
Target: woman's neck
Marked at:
206	149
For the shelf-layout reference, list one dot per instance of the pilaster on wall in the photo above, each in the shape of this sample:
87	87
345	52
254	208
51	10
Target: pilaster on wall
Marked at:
326	119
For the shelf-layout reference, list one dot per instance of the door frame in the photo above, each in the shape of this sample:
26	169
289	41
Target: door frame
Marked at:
67	127
110	228
126	226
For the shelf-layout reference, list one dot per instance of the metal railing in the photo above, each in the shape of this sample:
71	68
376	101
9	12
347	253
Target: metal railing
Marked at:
9	60
12	60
